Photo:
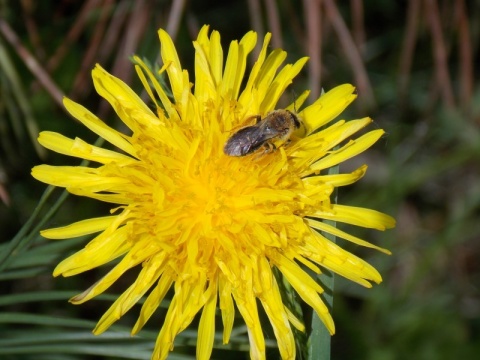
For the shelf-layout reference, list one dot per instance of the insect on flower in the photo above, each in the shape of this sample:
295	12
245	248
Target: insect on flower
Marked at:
275	128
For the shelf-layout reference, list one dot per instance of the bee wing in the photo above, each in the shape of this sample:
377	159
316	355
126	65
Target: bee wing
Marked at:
244	141
249	121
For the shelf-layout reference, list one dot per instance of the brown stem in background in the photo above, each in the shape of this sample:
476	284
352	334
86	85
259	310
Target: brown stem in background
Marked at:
117	21
273	18
193	25
255	15
358	25
33	33
82	82
351	51
408	49
439	53
134	30
174	18
31	63
312	13
4	195
72	36
295	22
173	22
465	55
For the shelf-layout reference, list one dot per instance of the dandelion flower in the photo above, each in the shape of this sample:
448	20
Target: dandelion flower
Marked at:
212	226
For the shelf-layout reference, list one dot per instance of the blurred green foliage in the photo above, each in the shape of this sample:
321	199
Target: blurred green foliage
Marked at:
425	171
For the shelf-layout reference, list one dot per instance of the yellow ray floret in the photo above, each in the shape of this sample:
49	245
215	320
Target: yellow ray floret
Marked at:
80	228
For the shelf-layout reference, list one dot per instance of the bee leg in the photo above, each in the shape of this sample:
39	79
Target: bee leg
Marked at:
269	147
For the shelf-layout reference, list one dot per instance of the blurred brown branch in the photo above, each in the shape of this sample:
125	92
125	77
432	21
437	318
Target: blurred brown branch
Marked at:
72	36
29	60
351	51
255	15
174	17
358	26
313	16
273	18
408	48
465	54
439	53
88	60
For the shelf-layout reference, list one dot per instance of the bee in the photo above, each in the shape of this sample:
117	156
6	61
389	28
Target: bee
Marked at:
276	127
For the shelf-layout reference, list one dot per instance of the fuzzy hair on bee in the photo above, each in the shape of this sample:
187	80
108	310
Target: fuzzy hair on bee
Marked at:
276	127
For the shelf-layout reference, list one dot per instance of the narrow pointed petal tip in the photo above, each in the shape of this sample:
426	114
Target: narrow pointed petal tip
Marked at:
328	107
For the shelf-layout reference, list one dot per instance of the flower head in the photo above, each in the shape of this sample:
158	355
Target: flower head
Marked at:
213	226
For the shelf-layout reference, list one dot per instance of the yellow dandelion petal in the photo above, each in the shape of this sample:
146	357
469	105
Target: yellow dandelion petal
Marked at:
205	81
230	72
247	307
357	216
335	231
165	101
206	227
97	126
317	146
202	36
215	55
327	107
280	83
336	180
126	103
151	270
109	198
185	304
246	45
208	48
206	327
174	69
306	287
226	305
153	301
297	104
267	74
79	148
248	99
340	261
96	254
79	228
273	305
353	148
76	176
296	322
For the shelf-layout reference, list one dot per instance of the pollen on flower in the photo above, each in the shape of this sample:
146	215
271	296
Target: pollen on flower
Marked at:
209	225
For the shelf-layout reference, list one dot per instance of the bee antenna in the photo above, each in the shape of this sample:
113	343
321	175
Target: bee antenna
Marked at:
294	94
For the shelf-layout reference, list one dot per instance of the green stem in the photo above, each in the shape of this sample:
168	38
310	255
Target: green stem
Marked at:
26	235
319	344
